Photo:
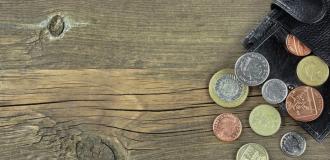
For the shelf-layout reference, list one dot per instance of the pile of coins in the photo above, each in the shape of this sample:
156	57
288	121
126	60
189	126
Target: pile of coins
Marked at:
229	88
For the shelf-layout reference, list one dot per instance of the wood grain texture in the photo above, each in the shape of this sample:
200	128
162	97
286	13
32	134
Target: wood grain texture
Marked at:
126	80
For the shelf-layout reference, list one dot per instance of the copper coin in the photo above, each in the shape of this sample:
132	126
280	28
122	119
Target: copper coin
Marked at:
304	104
227	127
296	47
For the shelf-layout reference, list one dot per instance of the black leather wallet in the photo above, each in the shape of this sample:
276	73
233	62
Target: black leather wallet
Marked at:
309	20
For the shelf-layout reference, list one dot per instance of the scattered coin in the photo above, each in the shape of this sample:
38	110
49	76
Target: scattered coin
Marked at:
313	71
274	91
293	144
252	69
304	104
252	151
227	127
265	120
226	90
296	47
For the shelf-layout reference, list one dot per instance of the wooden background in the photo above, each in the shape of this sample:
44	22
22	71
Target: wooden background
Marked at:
128	79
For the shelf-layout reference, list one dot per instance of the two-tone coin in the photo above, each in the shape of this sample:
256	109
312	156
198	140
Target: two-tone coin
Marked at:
296	47
293	144
312	71
304	104
227	127
252	151
265	120
274	91
252	69
226	90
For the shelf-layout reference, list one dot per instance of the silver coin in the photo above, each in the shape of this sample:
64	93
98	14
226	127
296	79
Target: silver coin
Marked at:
229	88
252	69
293	144
274	91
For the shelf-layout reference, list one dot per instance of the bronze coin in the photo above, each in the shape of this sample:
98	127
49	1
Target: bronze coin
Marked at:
227	127
296	47
304	104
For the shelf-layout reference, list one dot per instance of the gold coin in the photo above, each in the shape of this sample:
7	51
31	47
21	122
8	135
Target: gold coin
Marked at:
226	90
252	151
265	120
312	71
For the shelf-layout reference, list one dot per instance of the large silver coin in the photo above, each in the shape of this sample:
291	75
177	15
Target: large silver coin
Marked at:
274	91
252	69
293	144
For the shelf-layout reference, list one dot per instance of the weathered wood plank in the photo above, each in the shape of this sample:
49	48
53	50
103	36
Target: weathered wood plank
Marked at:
200	35
126	80
140	114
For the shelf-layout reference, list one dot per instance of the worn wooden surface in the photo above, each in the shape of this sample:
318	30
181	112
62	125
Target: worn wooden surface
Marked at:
126	80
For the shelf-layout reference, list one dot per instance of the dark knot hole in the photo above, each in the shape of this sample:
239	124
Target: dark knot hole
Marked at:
56	26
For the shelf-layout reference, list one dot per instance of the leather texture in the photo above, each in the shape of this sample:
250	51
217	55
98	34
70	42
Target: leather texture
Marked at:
309	20
306	11
316	35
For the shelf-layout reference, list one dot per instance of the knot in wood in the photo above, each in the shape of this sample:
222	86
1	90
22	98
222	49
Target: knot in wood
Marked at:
94	148
56	26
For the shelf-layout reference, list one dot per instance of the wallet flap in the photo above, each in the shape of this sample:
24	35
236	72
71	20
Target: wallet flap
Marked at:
305	11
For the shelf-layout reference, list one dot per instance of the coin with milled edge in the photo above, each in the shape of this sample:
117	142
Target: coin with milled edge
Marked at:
265	120
226	90
227	127
313	71
293	144
252	69
296	47
252	151
304	104
274	91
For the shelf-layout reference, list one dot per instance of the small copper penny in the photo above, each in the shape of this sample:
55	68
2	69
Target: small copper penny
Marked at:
304	104
227	127
296	47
